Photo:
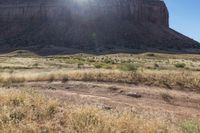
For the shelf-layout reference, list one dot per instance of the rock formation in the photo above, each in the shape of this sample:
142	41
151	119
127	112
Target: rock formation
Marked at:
71	26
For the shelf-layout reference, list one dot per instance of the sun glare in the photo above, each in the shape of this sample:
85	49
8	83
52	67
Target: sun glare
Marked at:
81	1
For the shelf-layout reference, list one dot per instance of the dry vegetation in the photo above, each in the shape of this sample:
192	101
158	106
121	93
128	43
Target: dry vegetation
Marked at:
29	111
162	70
172	80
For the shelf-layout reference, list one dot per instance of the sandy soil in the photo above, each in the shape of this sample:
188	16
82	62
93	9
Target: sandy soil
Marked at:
109	96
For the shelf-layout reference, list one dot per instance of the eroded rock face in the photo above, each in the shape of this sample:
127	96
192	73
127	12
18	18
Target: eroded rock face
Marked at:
87	25
153	11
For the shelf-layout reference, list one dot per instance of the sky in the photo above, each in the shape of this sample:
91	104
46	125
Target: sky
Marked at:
185	17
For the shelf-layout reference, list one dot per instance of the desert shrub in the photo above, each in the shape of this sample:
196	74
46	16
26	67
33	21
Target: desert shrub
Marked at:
106	66
129	67
109	61
151	54
65	79
79	65
11	71
51	78
91	60
35	64
166	97
98	66
156	65
180	65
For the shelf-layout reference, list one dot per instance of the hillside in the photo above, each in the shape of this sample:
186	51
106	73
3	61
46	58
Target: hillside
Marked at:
89	26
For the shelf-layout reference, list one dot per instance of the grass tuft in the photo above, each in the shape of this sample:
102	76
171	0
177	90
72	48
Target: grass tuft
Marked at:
190	126
180	65
129	67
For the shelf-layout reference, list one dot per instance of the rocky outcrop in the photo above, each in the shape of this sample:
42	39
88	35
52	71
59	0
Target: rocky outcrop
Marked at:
88	26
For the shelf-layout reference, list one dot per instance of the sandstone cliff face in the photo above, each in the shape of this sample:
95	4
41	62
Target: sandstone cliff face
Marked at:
153	11
88	25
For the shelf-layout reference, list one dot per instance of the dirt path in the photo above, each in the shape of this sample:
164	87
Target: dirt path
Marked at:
114	95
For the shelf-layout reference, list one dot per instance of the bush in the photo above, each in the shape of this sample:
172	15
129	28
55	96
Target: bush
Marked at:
35	65
80	65
166	97
98	66
180	65
151	54
129	67
51	78
109	61
105	66
156	65
65	79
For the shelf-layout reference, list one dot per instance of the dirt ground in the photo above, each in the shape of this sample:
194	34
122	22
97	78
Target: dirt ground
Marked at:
180	104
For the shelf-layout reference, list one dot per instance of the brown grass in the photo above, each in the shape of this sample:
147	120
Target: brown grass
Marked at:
152	69
168	79
28	111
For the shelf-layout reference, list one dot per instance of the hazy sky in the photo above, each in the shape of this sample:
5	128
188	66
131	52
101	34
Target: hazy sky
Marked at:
185	17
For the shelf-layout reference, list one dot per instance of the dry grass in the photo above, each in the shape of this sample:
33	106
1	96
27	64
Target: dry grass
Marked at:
28	111
168	79
149	69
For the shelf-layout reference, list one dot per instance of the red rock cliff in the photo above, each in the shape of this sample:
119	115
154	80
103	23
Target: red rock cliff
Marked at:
88	25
